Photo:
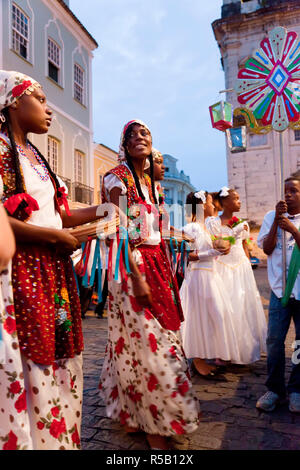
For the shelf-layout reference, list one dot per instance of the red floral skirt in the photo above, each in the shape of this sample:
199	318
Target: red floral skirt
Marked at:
47	306
166	306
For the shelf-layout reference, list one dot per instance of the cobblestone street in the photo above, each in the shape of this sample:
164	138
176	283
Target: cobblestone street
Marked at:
229	417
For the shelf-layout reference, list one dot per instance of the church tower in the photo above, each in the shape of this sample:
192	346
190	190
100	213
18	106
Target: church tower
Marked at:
255	172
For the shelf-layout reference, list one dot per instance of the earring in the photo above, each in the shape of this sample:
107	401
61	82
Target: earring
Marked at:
2	117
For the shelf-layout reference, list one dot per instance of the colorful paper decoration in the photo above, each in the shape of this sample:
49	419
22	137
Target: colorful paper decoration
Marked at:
250	121
236	139
221	115
269	84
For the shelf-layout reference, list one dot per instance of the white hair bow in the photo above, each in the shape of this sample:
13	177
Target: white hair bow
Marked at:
224	191
201	195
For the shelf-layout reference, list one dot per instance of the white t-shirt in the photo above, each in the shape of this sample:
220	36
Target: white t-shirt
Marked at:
275	259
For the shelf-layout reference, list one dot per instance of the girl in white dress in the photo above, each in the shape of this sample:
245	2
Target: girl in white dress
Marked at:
207	331
236	272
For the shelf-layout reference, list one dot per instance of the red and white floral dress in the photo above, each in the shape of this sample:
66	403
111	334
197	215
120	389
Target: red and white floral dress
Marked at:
41	380
145	380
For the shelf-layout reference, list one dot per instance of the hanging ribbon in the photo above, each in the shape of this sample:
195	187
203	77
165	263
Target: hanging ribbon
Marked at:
97	265
110	257
62	199
121	240
184	250
172	249
294	269
85	256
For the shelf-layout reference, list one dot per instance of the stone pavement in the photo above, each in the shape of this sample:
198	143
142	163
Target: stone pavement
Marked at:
229	417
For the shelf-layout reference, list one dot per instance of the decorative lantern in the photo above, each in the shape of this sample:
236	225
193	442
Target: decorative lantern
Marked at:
221	115
236	139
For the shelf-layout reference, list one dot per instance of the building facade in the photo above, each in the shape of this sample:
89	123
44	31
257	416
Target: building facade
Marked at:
255	173
104	160
176	187
44	39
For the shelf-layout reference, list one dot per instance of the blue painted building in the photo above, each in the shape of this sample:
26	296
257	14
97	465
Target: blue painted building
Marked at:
45	40
176	186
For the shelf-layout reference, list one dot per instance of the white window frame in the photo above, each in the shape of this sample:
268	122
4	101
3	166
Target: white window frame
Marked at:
253	136
53	153
78	166
17	34
52	59
76	84
297	135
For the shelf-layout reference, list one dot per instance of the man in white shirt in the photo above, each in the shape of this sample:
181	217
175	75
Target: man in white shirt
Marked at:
286	218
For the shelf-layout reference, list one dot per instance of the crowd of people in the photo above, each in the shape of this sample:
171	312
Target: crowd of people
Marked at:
158	333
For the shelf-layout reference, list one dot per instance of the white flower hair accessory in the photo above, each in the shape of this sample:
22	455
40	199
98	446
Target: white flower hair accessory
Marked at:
200	195
224	191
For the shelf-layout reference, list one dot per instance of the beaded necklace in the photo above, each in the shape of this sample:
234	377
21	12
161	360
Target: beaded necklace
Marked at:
46	175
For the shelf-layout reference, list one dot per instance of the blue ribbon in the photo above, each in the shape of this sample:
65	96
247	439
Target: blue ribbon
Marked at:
183	243
123	239
85	279
172	248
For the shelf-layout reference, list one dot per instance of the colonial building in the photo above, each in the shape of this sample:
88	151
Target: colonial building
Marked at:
255	172
104	160
176	187
44	39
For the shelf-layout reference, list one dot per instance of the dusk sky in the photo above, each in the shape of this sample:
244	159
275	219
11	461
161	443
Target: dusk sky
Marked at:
158	61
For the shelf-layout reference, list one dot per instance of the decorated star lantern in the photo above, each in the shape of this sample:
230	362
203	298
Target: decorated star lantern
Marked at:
221	115
269	84
269	88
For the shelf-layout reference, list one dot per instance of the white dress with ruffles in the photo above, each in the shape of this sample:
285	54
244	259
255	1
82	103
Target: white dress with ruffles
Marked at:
236	272
207	331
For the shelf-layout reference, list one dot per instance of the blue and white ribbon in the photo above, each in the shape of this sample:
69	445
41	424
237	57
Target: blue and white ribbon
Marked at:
123	239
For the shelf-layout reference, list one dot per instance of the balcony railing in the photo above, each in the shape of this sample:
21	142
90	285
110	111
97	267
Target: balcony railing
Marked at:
83	193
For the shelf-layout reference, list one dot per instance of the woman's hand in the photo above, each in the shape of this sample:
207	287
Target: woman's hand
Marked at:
141	291
223	246
64	242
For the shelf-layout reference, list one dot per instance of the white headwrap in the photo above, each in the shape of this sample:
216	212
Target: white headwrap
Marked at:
13	85
200	195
